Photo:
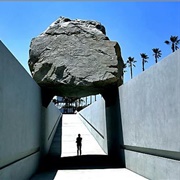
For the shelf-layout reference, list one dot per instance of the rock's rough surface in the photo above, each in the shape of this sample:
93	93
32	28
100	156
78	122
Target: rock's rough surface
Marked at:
75	58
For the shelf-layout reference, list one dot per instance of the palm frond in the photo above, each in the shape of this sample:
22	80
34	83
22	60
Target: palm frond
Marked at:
177	42
173	39
157	52
144	56
176	47
167	42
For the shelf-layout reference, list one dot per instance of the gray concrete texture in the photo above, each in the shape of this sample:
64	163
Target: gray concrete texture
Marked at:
150	110
149	120
150	106
96	174
152	167
21	119
49	122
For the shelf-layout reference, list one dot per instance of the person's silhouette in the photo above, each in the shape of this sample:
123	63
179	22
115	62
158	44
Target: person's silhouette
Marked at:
79	144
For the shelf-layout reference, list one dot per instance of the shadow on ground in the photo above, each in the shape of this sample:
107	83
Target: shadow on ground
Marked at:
53	164
82	162
88	162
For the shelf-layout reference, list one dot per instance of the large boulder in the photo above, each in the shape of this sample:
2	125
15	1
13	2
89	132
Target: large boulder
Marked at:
75	58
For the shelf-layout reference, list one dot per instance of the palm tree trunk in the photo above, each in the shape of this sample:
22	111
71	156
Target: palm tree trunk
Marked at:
143	64
173	47
131	72
156	59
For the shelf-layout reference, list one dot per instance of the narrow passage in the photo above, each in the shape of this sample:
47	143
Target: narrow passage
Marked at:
71	127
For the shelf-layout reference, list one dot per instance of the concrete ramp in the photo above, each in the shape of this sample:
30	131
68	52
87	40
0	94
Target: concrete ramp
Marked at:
71	127
92	165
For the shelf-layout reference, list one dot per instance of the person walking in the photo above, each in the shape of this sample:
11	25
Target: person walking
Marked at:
79	144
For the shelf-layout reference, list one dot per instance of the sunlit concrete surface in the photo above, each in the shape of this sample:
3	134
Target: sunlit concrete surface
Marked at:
71	127
96	174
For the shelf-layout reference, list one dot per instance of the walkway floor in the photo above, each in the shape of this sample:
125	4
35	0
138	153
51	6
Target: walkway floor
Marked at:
98	174
71	127
91	165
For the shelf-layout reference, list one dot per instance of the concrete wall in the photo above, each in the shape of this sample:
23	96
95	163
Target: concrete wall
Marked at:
50	120
150	111
94	119
23	120
149	120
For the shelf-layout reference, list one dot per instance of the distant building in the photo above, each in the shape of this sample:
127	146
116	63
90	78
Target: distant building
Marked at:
71	105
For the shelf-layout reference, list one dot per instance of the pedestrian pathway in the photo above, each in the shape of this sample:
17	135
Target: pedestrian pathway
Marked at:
94	164
71	127
98	174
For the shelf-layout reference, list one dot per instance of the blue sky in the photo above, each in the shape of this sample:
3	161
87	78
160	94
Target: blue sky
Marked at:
136	26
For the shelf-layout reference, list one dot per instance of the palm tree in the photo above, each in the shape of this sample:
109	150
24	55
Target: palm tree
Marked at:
174	41
157	53
144	59
130	63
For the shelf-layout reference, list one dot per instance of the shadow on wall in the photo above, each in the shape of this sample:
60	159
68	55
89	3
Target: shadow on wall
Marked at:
55	149
114	125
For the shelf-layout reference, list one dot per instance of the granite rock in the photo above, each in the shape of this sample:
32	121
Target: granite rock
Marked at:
75	58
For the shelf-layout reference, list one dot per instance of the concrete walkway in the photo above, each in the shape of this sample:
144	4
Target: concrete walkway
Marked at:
71	127
97	174
93	157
